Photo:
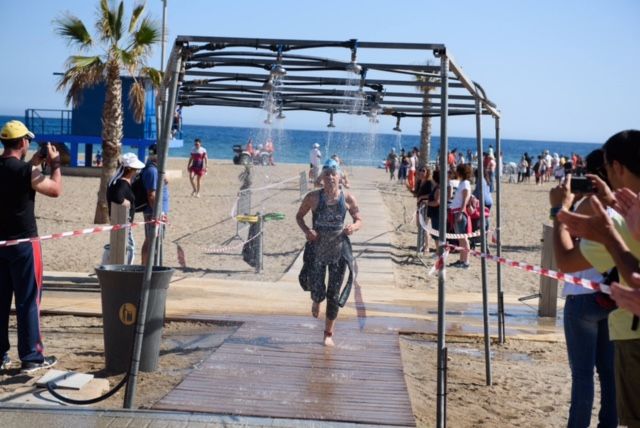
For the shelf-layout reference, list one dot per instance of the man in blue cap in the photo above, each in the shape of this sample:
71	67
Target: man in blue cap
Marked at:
328	242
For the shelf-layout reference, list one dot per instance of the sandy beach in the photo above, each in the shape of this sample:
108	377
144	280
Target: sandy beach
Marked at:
531	382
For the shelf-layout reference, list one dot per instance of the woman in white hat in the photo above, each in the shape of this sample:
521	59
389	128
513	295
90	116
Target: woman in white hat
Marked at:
119	192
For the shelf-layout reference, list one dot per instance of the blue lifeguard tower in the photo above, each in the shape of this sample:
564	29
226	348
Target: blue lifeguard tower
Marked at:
82	125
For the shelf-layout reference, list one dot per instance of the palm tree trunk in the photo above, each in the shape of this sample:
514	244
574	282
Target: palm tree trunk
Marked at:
425	130
111	137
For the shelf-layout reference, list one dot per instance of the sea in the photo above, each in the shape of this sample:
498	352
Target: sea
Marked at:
354	148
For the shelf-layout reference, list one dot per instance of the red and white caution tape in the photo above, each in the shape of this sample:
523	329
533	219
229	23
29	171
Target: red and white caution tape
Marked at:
80	232
440	262
586	283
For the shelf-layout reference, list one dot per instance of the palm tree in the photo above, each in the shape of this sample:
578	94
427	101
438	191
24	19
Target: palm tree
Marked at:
425	128
123	49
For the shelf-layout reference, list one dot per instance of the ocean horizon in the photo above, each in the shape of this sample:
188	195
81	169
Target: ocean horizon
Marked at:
354	148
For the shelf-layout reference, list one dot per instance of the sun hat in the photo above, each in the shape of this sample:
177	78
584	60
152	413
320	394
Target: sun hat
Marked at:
130	160
15	129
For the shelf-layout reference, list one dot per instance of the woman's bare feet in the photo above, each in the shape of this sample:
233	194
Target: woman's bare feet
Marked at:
328	338
315	309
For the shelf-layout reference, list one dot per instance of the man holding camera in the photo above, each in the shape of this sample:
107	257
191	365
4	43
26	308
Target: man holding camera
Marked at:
21	264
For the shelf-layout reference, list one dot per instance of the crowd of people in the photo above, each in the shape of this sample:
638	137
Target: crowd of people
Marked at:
545	167
464	208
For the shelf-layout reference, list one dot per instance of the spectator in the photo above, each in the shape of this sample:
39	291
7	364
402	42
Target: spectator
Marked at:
585	326
21	265
458	210
315	155
197	166
149	177
608	242
119	192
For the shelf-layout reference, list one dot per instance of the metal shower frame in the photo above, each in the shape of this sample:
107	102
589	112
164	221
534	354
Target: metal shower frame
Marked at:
259	67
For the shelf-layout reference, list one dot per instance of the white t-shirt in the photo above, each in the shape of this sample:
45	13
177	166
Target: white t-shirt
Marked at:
570	289
314	156
457	197
201	150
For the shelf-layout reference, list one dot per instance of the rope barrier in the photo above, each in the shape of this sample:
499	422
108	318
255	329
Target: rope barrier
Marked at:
269	186
234	208
218	250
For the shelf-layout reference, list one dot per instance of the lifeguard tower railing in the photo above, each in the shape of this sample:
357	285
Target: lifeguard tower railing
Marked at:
81	127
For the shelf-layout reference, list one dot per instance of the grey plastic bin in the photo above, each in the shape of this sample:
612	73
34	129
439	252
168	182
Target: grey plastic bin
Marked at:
120	287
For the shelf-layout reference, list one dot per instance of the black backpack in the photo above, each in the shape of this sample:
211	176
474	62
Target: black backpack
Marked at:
140	192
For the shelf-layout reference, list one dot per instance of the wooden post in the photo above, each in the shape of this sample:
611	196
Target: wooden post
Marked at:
548	287
118	238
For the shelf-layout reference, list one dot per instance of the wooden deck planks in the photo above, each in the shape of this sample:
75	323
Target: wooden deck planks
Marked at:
281	370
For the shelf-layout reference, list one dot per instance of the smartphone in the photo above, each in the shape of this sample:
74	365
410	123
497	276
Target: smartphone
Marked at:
581	185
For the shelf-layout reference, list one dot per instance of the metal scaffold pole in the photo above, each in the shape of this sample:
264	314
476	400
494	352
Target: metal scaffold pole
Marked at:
441	403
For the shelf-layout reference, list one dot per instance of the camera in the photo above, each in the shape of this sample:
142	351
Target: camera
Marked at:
43	151
581	185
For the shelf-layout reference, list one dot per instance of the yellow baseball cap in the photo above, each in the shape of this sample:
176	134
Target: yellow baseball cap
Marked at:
15	129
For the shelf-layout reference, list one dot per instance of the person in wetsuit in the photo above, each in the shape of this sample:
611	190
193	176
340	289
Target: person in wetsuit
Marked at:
328	235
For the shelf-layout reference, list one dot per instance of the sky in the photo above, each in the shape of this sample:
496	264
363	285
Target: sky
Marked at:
557	70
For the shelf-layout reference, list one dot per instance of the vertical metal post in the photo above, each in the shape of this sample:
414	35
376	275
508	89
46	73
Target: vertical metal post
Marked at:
163	145
159	106
444	111
483	245
421	232
164	32
501	327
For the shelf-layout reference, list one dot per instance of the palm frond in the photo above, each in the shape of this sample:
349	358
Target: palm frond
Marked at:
154	75
84	61
148	34
135	15
74	30
117	30
103	23
137	95
82	73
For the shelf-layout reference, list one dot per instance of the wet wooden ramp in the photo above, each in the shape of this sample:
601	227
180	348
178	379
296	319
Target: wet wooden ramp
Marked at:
280	369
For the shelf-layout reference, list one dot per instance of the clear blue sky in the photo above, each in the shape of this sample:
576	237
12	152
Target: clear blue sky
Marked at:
558	70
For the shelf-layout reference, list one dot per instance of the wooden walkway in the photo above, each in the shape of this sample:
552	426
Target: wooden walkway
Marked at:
280	369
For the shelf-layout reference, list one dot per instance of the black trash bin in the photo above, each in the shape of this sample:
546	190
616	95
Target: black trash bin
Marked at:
120	288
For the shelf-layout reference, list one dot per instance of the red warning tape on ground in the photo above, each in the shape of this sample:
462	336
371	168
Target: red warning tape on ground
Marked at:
586	283
80	232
